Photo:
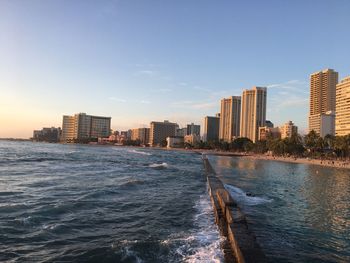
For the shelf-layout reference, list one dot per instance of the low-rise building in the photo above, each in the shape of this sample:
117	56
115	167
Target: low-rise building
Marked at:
268	132
288	130
47	135
192	139
175	142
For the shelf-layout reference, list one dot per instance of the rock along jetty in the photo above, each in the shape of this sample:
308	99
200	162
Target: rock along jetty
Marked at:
240	244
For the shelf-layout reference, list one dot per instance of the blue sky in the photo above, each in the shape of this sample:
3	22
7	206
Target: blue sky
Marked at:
139	61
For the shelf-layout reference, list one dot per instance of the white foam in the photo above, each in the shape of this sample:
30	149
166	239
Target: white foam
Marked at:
242	198
50	226
203	243
139	152
158	165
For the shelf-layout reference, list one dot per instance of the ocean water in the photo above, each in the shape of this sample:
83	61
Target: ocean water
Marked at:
76	203
299	212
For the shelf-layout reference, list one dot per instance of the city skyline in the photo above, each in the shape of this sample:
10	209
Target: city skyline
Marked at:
139	62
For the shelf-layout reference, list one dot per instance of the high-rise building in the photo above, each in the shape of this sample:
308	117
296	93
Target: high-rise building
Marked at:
68	129
253	113
141	134
159	131
211	128
322	96
342	108
193	129
288	130
82	126
230	115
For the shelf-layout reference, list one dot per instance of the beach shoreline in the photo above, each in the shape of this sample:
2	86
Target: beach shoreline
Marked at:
343	164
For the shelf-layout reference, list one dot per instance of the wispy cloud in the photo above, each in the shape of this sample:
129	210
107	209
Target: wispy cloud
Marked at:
146	72
117	99
145	101
161	90
292	85
194	104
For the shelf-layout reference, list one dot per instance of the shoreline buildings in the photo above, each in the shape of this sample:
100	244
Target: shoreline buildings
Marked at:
84	127
253	112
193	129
159	131
47	135
323	101
288	130
342	119
211	128
140	134
230	116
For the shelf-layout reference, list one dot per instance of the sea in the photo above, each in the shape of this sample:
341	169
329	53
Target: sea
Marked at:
86	203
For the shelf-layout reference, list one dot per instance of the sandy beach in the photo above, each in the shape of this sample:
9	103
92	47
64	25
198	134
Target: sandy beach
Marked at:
327	163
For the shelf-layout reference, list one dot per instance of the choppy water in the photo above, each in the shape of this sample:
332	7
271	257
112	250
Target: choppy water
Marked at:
299	212
103	204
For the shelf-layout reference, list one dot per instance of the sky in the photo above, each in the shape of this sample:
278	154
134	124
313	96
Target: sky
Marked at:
143	61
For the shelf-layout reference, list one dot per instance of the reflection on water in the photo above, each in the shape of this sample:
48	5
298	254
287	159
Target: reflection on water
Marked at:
308	218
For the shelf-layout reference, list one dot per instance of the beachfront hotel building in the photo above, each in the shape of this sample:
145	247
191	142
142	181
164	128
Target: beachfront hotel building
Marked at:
211	128
342	108
193	129
82	126
230	115
322	99
159	131
140	134
324	123
288	130
253	112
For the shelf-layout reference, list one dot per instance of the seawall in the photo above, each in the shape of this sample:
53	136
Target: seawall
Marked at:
240	244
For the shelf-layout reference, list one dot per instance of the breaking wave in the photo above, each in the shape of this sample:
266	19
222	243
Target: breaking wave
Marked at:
159	165
139	152
244	198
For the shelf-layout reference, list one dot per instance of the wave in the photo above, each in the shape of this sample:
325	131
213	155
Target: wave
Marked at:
159	165
203	244
244	198
132	182
139	152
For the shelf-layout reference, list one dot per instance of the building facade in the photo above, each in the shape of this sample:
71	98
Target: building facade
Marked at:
84	127
322	96
140	134
159	131
323	123
211	128
268	132
342	108
253	112
181	132
288	130
47	135
230	115
193	129
175	142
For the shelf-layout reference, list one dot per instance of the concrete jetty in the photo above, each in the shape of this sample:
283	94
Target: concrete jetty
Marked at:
240	244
